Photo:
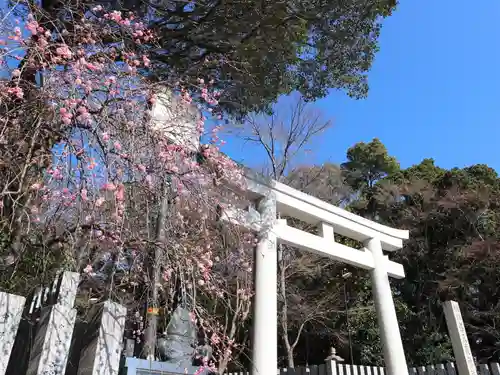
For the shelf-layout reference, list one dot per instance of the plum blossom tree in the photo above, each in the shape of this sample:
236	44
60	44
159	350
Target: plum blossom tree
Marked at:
89	182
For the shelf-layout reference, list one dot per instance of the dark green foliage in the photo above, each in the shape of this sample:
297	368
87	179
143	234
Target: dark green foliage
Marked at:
453	252
256	50
366	164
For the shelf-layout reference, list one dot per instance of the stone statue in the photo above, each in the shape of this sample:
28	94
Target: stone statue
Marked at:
333	356
178	344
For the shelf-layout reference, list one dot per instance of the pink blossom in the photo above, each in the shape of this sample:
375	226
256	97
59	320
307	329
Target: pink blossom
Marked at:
32	27
109	186
36	186
167	274
83	194
16	91
99	202
120	193
64	52
192	316
215	339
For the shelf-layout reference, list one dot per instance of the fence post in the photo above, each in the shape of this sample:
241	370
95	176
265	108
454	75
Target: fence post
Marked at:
50	351
495	368
102	355
484	369
11	310
331	368
450	369
440	370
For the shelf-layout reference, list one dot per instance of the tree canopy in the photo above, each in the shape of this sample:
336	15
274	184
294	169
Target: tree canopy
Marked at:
452	253
256	50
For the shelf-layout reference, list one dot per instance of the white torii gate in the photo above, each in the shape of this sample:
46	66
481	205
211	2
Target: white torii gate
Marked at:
272	198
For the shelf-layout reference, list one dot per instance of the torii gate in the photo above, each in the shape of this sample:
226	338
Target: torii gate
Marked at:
273	197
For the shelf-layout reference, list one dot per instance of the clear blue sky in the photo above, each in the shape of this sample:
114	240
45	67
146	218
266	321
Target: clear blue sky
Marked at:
434	89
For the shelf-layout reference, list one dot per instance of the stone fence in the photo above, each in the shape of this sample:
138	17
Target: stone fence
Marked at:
42	337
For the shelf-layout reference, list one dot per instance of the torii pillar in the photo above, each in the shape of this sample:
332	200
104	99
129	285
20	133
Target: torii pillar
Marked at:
392	345
265	318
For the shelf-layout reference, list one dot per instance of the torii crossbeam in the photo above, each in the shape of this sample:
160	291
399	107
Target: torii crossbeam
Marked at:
273	197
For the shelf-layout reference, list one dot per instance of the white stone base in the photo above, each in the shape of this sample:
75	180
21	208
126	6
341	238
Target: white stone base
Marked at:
50	352
102	355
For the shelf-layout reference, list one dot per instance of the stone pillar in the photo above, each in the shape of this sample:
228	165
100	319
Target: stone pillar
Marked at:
102	355
11	310
67	288
50	351
265	322
459	341
394	356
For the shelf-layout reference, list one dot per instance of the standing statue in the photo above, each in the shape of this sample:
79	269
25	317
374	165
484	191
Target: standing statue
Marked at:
178	346
179	341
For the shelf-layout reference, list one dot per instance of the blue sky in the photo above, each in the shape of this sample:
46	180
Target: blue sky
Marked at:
433	89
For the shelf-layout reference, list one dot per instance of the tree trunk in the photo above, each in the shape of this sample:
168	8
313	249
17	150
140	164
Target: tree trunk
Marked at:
284	308
154	275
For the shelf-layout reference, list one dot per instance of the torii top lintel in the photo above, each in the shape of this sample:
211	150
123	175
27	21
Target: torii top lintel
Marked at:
294	203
